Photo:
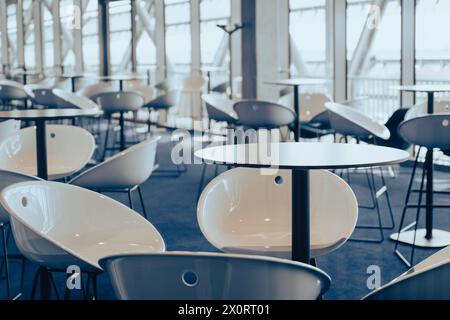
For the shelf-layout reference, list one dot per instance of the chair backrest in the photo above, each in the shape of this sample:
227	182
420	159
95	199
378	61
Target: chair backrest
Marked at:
69	149
429	280
164	102
208	276
46	97
120	101
312	105
127	169
263	115
350	122
242	204
58	225
8	128
431	131
220	108
11	90
145	90
166	85
421	109
93	90
221	88
8	178
72	100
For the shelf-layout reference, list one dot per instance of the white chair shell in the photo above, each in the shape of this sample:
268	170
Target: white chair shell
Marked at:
220	108
209	276
69	149
58	225
243	211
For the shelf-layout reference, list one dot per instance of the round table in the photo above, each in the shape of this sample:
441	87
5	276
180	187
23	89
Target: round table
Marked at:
428	237
301	158
40	117
297	83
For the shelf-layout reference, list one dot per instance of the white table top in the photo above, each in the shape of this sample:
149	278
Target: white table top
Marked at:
48	114
303	155
424	88
298	82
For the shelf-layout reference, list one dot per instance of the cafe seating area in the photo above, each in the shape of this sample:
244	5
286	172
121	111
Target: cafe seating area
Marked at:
211	181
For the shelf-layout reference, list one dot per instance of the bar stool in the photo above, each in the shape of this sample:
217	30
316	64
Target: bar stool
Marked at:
426	281
8	178
210	276
351	123
242	211
124	172
58	225
263	115
430	132
12	92
118	102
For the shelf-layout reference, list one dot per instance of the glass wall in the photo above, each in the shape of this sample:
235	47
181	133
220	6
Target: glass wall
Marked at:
310	42
91	47
178	36
145	33
374	55
30	61
120	38
11	12
432	43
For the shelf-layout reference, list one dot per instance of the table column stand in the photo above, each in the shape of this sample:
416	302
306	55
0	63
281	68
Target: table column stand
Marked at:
297	112
41	146
300	216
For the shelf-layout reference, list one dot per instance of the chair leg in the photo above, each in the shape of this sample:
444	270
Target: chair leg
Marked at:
130	200
142	202
202	181
35	284
105	146
5	261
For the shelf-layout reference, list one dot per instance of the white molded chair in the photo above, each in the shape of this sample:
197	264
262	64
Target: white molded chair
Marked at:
220	108
429	280
350	122
58	225
7	179
76	101
258	114
242	211
12	91
69	149
209	276
92	91
124	172
190	103
145	90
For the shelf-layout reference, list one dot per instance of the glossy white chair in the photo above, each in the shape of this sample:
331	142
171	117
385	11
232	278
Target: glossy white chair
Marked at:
75	101
92	91
349	122
69	149
146	90
124	172
429	280
220	108
209	276
242	211
7	179
58	225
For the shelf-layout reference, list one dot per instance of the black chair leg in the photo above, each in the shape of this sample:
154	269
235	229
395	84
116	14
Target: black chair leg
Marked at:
142	202
5	260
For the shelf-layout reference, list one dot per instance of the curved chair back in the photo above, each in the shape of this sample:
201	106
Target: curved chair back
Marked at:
263	115
145	90
8	128
120	101
431	131
242	211
418	110
350	122
92	91
127	169
208	276
69	149
427	281
72	100
8	178
164	102
312	106
44	96
11	90
58	225
220	108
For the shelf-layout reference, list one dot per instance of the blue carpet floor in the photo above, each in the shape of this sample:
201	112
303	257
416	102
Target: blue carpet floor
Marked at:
171	206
